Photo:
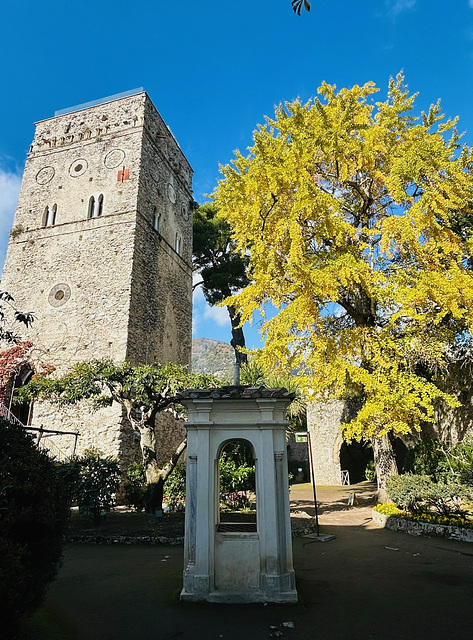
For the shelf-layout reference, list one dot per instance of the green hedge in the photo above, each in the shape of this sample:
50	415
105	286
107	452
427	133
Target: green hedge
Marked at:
34	508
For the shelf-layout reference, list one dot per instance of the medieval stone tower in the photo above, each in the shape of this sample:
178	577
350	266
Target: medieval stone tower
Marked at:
101	249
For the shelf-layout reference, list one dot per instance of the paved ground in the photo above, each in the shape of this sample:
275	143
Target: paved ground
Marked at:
367	583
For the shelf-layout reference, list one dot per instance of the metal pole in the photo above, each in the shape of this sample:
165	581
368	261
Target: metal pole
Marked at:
312	475
236	374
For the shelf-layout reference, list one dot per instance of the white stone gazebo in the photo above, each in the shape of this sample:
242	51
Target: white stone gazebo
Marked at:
237	563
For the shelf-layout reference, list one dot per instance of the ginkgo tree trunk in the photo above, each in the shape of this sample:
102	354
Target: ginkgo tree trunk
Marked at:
143	391
348	208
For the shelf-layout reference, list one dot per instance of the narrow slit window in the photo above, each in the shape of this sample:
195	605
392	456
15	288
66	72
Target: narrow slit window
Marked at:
177	244
156	220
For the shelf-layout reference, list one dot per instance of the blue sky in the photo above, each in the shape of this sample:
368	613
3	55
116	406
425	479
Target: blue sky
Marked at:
214	69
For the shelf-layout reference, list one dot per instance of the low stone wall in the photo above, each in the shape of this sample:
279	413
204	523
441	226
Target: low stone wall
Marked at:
98	539
422	528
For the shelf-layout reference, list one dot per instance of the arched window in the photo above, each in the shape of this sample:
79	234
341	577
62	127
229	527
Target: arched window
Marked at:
90	213
237	487
99	206
49	216
95	206
156	220
22	411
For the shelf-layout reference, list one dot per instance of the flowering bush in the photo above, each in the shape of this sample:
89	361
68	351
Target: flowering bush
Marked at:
11	362
237	500
390	509
419	494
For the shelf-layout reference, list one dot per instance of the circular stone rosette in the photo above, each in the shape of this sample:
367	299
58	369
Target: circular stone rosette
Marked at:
59	294
185	211
45	175
78	168
114	158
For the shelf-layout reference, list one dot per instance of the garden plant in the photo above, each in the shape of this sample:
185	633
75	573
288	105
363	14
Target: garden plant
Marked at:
34	509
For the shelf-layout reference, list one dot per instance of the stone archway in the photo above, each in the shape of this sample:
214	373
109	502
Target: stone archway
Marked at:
237	500
330	453
354	458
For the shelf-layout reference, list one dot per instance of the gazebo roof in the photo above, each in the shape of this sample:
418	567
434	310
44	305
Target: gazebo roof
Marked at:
234	392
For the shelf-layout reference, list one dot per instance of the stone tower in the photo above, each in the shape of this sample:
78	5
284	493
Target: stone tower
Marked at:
101	249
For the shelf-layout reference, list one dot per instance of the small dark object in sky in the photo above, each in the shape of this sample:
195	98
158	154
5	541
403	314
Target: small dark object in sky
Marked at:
297	6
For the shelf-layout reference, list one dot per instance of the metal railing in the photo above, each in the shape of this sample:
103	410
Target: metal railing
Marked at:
43	439
53	449
8	415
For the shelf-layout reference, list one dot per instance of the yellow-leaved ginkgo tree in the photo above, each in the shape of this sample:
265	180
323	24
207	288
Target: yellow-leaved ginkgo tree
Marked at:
355	215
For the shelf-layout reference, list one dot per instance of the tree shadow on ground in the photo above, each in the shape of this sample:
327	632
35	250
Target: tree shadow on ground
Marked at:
366	583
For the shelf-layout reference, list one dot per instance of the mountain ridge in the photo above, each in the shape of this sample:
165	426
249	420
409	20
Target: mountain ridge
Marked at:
212	356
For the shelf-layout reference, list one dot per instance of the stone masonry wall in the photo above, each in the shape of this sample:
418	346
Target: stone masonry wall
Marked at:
89	264
166	184
161	303
78	155
323	422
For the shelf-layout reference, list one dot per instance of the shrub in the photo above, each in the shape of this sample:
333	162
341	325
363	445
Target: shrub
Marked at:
450	498
460	460
370	471
237	474
235	478
175	489
419	494
99	479
33	516
135	486
69	473
16	231
426	458
442	463
408	491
